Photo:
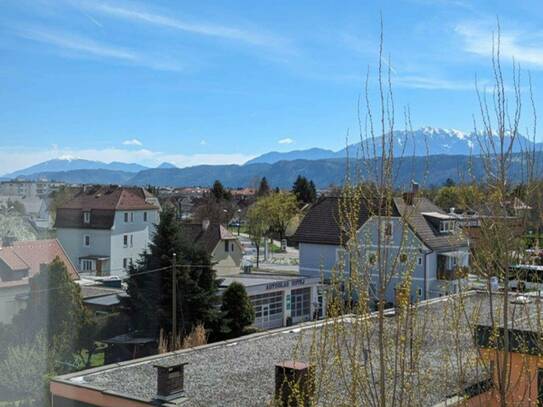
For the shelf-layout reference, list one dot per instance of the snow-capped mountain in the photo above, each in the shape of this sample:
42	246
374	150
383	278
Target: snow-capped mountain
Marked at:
421	142
68	163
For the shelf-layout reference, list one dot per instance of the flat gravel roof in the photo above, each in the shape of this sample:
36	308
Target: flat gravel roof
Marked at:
241	372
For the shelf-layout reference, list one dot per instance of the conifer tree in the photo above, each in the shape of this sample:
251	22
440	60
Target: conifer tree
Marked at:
149	305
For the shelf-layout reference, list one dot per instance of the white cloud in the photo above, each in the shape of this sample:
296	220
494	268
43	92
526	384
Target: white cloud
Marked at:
245	36
203	142
76	43
525	47
286	141
90	48
132	142
13	159
432	83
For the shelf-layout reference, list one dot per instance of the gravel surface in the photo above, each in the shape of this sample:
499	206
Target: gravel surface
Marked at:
242	373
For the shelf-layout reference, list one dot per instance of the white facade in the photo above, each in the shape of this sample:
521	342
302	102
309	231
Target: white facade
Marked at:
110	251
281	300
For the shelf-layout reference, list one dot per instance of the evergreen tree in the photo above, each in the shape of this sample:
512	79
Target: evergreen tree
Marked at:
304	190
237	308
219	193
263	188
149	305
55	309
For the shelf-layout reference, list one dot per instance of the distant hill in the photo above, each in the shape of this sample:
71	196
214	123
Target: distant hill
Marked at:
69	164
421	142
167	165
97	176
310	154
432	170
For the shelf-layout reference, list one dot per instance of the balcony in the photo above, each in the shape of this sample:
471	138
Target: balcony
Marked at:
448	270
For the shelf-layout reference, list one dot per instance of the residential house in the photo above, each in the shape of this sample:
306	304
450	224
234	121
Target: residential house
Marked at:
421	236
19	262
104	229
223	247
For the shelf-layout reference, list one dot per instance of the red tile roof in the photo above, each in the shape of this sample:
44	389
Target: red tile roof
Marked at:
102	202
110	198
31	255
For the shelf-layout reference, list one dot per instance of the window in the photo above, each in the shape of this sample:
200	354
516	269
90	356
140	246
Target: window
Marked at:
232	247
387	229
87	265
145	216
126	217
86	241
125	263
419	292
446	226
226	246
86	217
125	240
403	258
131	217
419	260
131	240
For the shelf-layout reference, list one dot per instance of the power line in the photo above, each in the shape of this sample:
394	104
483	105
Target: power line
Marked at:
129	275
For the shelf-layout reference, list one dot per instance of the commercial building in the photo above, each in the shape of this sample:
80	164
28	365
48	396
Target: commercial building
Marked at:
281	300
104	229
28	189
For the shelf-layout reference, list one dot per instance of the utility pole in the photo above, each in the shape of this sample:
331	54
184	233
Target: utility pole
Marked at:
174	301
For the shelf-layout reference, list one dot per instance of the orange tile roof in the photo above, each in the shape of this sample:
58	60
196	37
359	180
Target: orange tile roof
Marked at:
32	254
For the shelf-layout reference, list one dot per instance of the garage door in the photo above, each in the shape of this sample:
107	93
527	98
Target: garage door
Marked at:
268	310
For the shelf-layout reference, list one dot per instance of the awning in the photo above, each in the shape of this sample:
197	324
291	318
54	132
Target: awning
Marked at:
94	257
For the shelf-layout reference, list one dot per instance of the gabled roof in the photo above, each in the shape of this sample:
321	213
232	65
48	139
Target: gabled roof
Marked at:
418	217
31	255
322	223
206	239
110	198
102	202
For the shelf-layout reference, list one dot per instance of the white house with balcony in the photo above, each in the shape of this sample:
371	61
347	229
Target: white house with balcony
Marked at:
418	238
104	229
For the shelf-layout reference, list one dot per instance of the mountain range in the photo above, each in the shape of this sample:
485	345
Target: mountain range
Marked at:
421	142
428	154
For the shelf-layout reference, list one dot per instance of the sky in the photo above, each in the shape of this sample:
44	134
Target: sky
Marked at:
223	81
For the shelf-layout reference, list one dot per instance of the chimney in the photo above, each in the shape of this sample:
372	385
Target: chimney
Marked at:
170	381
414	188
205	224
408	198
8	240
294	384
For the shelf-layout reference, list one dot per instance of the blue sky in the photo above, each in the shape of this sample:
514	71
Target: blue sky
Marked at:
223	81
